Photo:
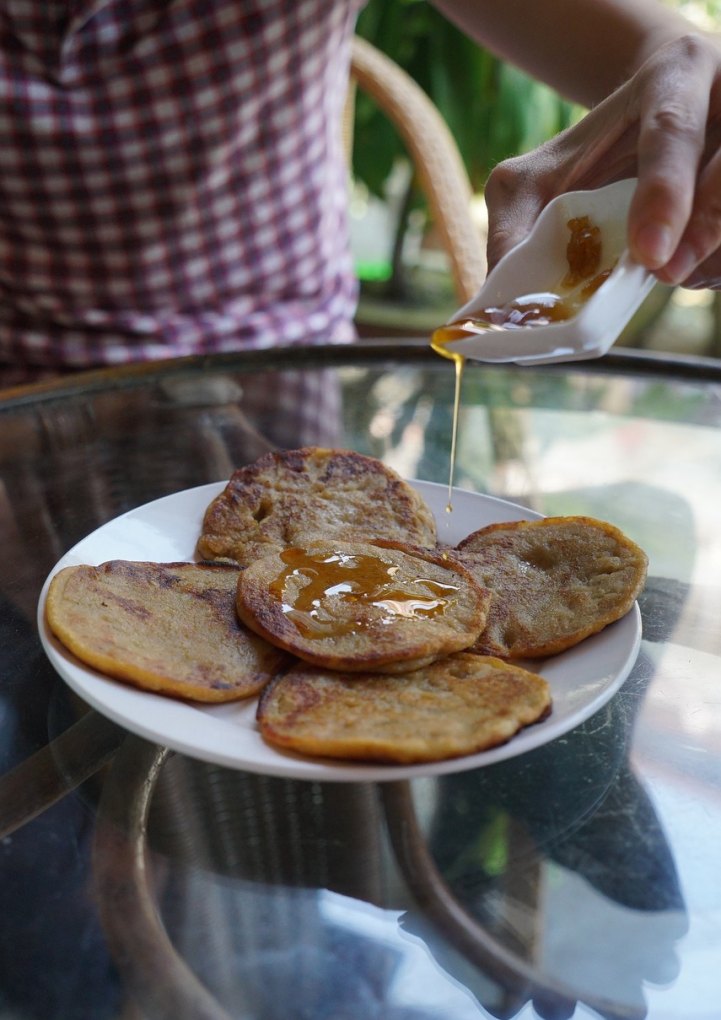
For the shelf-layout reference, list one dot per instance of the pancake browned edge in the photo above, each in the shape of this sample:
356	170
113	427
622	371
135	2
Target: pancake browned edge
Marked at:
457	706
555	581
358	606
164	627
292	496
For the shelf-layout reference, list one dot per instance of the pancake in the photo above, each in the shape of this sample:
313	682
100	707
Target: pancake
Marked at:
457	706
290	497
555	582
358	606
164	627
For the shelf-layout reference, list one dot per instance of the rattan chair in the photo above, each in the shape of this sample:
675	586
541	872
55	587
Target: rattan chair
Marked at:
434	155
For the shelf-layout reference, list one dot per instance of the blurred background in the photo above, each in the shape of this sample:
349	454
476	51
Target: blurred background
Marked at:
493	111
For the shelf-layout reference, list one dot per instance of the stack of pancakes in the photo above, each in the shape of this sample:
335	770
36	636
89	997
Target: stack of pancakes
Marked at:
322	588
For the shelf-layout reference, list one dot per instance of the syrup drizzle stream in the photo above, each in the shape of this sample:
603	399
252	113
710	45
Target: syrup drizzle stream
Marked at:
441	345
582	280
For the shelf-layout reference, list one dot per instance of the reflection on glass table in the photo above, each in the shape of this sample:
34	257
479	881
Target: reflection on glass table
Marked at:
579	879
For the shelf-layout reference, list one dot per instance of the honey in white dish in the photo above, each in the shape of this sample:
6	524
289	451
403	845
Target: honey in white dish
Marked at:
580	282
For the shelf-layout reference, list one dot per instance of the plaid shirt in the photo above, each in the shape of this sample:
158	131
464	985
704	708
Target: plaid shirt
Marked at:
172	179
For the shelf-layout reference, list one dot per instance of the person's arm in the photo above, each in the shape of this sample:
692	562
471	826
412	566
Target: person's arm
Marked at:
583	48
654	87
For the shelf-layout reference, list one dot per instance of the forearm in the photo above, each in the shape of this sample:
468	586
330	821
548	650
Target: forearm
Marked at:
582	48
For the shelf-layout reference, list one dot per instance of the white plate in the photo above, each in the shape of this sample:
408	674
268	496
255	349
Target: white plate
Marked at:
581	680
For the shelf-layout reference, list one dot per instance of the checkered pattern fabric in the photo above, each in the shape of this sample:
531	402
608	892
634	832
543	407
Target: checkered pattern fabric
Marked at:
172	179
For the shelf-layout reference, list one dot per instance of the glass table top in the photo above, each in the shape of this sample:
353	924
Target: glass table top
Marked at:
579	879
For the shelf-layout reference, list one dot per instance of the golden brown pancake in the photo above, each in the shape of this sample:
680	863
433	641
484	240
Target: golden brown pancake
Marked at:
356	606
290	497
164	627
555	581
458	705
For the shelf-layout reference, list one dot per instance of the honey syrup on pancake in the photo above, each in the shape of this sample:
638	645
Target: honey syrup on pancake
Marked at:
583	254
358	580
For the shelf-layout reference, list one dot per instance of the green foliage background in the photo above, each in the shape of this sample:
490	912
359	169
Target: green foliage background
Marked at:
492	109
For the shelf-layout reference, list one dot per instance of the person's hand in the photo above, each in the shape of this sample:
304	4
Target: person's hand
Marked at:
664	126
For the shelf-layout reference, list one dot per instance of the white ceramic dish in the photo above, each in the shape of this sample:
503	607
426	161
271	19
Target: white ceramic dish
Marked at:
539	263
582	679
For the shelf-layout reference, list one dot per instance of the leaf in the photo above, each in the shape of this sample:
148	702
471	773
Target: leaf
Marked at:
492	109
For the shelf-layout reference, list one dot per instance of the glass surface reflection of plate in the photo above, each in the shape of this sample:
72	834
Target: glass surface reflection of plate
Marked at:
582	679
